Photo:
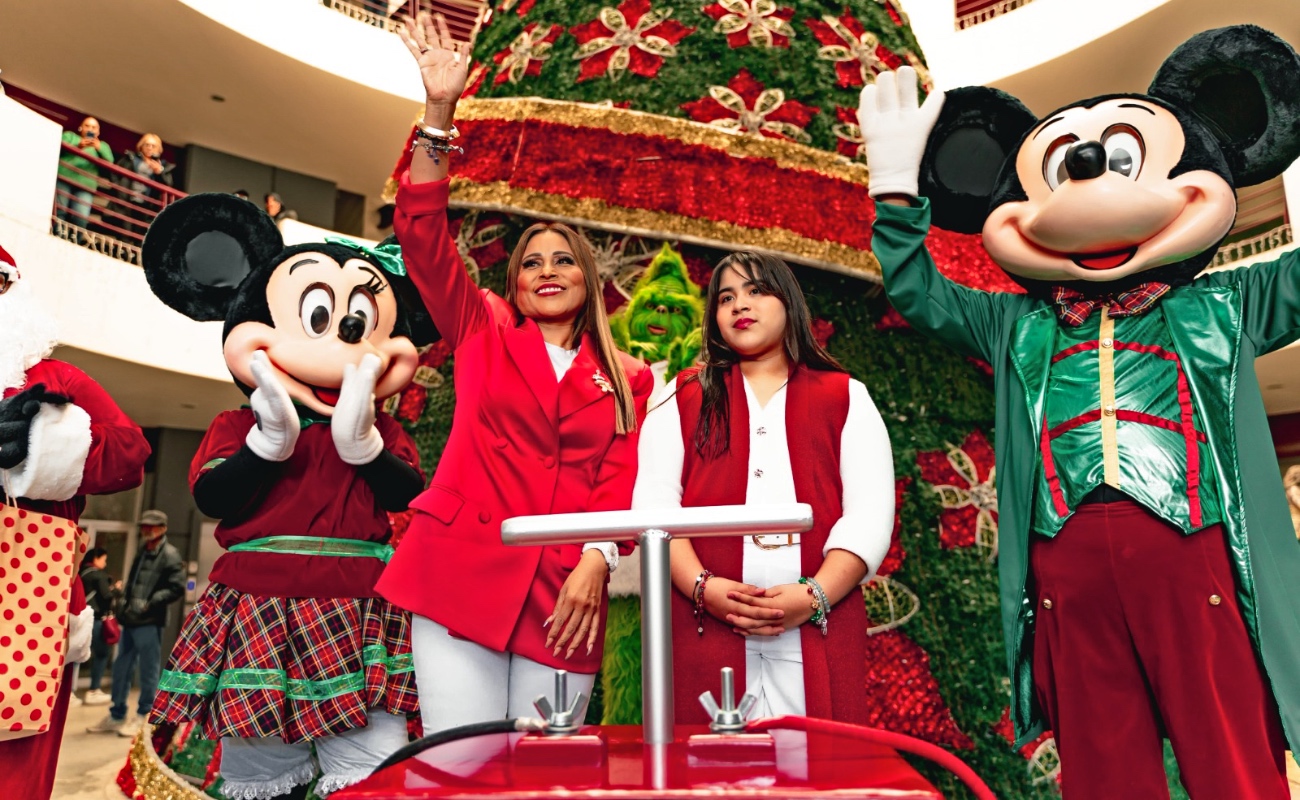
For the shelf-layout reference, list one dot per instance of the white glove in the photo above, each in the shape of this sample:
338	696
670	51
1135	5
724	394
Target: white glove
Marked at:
80	628
353	425
895	131
277	428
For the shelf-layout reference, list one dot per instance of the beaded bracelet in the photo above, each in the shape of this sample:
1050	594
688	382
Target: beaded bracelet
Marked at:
697	595
433	145
820	603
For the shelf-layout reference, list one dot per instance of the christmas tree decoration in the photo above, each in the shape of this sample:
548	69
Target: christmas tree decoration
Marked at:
857	53
526	54
744	105
761	23
631	38
963	477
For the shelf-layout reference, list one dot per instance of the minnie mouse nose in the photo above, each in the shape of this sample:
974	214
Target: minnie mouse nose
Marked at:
1085	160
351	327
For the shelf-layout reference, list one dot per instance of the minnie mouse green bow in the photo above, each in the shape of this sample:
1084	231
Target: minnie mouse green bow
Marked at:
389	256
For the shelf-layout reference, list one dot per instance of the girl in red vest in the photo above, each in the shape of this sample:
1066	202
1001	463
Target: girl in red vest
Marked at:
770	417
546	422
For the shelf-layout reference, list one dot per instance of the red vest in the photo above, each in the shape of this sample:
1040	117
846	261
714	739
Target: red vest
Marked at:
817	405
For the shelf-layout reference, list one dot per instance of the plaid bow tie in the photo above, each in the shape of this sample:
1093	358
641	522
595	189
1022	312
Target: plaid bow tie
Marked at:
1073	309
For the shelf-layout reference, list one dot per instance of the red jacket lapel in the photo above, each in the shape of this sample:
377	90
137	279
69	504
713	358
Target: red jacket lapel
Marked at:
580	386
527	349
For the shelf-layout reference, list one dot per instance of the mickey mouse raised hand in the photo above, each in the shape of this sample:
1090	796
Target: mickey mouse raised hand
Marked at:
895	129
302	481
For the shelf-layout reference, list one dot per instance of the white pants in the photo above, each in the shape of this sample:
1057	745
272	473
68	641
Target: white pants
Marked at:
260	769
461	682
776	681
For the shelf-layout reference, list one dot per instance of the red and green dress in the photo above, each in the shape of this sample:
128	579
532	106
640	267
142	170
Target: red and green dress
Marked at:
290	640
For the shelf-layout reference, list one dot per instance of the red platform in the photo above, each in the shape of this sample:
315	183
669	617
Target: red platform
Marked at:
611	762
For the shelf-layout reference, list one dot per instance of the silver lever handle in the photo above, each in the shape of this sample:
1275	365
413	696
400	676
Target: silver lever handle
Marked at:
565	716
729	718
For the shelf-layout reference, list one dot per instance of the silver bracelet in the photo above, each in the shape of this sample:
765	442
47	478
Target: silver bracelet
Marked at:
820	602
436	133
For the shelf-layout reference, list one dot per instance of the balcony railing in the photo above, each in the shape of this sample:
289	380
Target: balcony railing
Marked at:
1273	239
107	208
463	16
973	12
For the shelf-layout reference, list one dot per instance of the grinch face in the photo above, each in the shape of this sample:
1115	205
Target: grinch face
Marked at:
656	318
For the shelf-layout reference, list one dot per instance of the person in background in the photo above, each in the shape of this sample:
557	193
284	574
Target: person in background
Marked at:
141	199
157	579
276	208
78	174
101	595
242	194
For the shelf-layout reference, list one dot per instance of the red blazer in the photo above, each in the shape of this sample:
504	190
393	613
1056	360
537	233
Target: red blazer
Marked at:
520	443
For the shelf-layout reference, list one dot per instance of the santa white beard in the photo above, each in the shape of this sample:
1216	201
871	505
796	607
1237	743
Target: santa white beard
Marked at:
27	334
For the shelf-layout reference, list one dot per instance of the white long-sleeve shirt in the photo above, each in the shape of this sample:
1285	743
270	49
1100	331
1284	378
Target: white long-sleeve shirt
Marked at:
867	477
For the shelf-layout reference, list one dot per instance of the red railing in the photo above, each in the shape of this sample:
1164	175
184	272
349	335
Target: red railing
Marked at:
112	215
463	16
973	12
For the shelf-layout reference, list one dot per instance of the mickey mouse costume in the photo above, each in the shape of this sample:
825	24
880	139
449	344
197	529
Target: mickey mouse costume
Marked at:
1148	567
290	646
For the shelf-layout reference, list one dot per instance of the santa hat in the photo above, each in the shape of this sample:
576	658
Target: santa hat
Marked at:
8	266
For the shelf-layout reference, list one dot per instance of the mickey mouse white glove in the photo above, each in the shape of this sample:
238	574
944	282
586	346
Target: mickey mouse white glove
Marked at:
356	438
277	428
80	628
895	131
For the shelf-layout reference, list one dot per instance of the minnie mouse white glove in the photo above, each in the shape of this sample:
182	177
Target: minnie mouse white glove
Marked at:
80	628
895	131
277	428
356	438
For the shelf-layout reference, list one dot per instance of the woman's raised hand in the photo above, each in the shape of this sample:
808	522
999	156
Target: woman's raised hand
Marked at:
444	62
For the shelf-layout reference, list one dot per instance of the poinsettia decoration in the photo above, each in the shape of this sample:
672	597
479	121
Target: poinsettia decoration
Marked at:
480	240
520	7
857	52
633	37
891	320
902	694
964	479
409	404
848	134
477	74
923	77
822	330
746	106
1044	759
526	54
761	23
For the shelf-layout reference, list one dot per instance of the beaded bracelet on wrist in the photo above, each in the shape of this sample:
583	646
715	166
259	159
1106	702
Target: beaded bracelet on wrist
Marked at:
697	596
820	603
433	145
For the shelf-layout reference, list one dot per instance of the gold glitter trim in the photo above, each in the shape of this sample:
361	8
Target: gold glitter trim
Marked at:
594	213
154	780
787	155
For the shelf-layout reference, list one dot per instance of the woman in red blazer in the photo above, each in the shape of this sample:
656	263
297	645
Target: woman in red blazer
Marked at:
546	417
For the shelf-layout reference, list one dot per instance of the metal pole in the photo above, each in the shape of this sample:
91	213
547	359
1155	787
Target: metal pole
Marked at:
656	638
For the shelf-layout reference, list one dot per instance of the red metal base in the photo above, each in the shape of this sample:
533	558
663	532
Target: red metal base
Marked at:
612	762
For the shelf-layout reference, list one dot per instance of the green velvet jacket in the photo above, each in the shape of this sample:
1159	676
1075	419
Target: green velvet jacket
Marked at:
1219	324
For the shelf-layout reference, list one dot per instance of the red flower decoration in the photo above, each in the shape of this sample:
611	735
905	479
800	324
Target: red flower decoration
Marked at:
858	54
902	694
526	53
480	240
892	321
981	365
521	7
744	105
964	479
633	37
398	523
1044	760
475	81
761	23
822	331
848	134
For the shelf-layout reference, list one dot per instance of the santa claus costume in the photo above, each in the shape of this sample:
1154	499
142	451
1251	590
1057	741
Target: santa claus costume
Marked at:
61	438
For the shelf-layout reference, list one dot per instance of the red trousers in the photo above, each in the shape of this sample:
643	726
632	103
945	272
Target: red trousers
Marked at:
1138	637
27	765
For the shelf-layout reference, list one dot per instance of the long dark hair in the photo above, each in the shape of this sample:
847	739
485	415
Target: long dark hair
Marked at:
773	276
591	319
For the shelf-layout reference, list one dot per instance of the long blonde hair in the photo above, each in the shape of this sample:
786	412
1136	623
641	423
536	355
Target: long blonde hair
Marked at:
591	318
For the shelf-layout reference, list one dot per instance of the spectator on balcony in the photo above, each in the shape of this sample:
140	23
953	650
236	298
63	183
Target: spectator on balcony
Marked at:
141	199
78	175
277	209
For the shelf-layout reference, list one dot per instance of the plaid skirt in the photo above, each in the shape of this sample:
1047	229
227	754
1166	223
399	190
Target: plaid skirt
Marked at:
294	668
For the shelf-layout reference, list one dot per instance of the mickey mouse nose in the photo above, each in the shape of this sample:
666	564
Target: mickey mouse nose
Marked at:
351	327
1085	160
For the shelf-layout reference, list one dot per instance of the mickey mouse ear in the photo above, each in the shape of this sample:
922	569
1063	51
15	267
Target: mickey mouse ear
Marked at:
1243	82
978	130
200	248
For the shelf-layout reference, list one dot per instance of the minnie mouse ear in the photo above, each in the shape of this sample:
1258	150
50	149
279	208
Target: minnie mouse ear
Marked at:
1243	82
978	130
200	248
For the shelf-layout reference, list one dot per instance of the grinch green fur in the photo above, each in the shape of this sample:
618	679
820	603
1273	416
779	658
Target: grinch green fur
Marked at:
665	298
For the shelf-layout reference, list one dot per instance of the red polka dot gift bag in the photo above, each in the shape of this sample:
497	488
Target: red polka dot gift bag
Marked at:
38	561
